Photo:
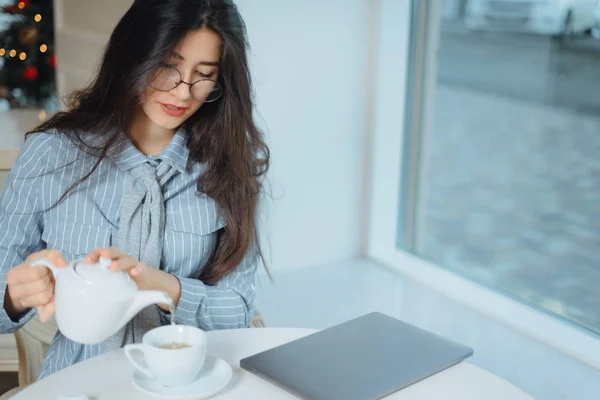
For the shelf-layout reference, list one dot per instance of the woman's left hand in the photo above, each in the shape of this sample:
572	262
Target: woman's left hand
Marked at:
145	276
141	273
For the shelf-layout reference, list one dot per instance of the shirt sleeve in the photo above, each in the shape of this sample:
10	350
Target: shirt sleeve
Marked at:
21	217
226	305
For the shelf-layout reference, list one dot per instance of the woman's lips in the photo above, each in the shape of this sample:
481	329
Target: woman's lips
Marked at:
173	110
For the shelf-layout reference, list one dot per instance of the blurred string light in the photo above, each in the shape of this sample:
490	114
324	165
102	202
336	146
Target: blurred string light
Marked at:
23	56
29	38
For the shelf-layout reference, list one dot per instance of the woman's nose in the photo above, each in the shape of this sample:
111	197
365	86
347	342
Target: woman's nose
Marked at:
182	91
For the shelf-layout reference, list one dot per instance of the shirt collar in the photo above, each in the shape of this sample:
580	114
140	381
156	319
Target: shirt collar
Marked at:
175	154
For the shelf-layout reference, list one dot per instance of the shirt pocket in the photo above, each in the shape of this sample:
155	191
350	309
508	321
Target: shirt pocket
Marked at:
75	240
191	236
197	214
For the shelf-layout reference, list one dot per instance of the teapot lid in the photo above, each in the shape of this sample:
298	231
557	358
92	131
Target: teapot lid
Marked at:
99	275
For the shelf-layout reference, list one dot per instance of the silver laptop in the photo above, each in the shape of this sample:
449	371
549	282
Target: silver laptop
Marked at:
366	358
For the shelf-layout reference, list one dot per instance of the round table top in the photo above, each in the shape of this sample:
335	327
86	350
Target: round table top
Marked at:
109	376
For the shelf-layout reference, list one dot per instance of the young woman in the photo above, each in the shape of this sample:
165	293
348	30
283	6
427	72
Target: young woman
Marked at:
156	165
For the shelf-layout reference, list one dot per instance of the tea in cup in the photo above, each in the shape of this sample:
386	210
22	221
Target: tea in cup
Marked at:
174	354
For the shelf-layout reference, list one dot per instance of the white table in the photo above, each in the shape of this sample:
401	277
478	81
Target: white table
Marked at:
108	377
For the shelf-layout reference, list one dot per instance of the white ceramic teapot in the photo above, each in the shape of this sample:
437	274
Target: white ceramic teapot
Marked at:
93	302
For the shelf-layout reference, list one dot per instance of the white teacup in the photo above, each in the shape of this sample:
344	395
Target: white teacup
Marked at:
167	364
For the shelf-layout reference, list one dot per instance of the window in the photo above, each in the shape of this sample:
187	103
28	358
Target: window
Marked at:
501	153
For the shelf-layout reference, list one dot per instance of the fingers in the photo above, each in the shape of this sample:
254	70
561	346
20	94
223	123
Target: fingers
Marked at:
46	312
125	263
25	275
57	258
93	256
138	269
120	259
112	253
23	289
29	287
28	273
38	299
54	256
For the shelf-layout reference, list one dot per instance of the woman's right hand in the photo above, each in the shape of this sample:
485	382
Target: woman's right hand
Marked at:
29	287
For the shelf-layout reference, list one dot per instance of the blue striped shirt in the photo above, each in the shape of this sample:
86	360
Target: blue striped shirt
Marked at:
48	164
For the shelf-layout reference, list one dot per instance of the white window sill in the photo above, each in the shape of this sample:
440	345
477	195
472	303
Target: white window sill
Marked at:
550	331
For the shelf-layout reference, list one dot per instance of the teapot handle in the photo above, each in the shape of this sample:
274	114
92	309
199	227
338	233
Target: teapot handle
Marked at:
46	263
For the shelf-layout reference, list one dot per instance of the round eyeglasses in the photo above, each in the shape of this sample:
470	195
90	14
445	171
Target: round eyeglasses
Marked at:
167	78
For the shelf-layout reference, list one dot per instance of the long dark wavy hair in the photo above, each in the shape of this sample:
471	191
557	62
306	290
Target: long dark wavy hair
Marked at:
222	134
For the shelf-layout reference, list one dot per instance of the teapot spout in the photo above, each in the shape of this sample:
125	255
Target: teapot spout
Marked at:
143	299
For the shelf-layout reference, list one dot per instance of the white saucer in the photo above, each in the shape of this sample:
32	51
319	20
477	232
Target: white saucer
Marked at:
213	377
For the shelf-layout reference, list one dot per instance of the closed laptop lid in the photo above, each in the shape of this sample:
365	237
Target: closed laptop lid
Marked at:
366	358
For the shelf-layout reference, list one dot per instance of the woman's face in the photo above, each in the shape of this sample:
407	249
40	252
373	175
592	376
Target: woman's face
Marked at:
196	58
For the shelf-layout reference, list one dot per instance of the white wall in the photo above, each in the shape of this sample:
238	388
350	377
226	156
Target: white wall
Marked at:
309	62
82	28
